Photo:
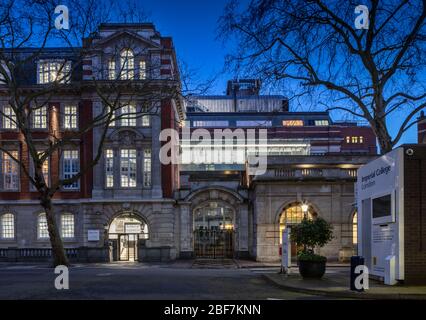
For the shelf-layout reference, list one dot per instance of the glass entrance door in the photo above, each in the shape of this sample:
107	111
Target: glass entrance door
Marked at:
128	247
123	247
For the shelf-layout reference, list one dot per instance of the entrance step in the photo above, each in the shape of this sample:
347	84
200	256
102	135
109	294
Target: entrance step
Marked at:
214	264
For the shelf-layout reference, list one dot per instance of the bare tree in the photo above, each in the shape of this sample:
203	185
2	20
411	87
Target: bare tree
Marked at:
377	74
26	32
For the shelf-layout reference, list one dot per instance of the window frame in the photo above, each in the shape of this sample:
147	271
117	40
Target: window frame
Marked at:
8	117
109	168
112	69
128	173
76	185
42	114
147	162
4	160
71	117
142	69
67	214
127	64
45	76
42	216
129	118
12	228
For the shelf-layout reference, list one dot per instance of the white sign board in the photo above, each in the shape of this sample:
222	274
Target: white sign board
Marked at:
380	213
286	251
93	235
132	228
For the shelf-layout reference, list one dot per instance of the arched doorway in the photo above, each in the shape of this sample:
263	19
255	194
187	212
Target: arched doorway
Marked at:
293	215
124	232
213	227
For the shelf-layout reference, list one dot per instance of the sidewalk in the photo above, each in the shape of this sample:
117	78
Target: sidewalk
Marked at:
255	264
335	283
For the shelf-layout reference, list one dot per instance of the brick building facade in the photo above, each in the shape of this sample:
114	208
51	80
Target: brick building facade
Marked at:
133	207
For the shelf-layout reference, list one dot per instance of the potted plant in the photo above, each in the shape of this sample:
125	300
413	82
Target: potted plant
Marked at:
308	235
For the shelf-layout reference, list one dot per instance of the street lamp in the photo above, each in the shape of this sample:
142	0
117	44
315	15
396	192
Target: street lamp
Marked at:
305	208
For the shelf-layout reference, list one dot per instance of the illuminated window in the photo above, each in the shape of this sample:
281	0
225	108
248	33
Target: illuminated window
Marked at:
42	230
40	118
44	168
321	123
355	228
71	167
7	226
293	123
147	168
361	139
10	171
348	139
111	70
108	111
142	70
67	225
51	71
128	168
127	65
292	216
128	116
70	117
146	118
109	168
354	140
9	118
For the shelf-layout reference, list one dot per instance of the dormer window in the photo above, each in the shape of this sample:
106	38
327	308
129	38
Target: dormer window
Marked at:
49	71
127	64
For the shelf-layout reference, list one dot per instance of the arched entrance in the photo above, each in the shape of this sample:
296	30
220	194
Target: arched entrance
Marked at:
124	232
214	227
292	215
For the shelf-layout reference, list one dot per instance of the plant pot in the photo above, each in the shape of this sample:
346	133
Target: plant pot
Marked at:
312	269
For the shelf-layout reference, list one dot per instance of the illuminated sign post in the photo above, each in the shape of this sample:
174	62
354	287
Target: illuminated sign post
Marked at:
381	216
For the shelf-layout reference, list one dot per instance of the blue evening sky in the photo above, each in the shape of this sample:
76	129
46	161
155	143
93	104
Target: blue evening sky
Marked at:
193	26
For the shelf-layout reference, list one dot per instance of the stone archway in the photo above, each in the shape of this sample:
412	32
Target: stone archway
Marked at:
227	213
124	232
292	214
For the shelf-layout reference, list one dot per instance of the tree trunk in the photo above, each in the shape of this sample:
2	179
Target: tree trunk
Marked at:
383	137
58	252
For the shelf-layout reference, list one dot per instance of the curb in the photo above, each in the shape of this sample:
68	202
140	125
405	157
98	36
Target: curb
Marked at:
351	295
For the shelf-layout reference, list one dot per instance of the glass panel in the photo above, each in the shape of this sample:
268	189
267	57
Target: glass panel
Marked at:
147	168
214	216
67	226
42	227
10	171
9	118
109	168
128	168
7	226
70	117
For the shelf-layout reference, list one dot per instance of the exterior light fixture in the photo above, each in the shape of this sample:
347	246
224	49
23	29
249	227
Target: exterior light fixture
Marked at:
305	207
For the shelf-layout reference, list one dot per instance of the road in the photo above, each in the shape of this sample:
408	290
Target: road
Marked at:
139	281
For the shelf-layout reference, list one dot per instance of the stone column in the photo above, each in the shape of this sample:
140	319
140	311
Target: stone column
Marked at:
157	191
98	172
243	232
186	250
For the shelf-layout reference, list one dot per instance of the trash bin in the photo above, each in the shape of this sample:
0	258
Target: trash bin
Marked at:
355	261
